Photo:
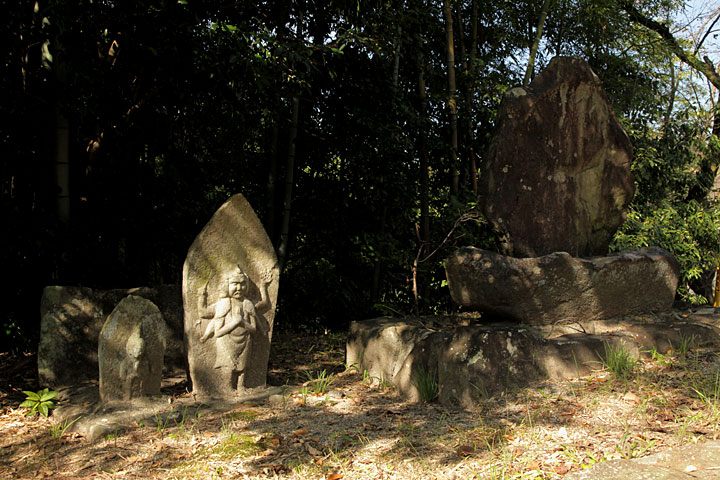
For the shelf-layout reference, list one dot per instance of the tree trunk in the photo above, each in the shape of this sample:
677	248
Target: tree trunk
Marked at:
424	157
397	42
530	72
62	166
62	130
272	172
377	268
705	177
452	100
290	169
423	230
469	67
289	183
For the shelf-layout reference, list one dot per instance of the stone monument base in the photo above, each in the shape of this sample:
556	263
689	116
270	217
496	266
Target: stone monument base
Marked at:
561	289
472	360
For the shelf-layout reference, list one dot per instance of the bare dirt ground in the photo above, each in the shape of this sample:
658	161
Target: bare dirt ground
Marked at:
360	429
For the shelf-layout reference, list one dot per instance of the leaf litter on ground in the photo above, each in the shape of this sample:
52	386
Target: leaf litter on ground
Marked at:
543	431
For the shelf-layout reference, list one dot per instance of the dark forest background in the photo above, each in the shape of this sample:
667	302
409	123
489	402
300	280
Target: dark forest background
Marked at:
354	128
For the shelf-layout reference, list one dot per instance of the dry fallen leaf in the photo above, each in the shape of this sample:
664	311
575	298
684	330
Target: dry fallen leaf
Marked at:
334	476
465	450
312	450
631	397
302	431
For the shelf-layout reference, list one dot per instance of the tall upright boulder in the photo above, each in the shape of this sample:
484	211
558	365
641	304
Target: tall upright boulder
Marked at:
70	322
557	174
230	285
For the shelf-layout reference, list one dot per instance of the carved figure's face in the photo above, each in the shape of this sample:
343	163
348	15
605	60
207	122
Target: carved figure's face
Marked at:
237	287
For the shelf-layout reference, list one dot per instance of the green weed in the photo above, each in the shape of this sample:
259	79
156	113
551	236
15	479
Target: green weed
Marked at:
40	402
161	423
304	393
630	448
708	391
658	357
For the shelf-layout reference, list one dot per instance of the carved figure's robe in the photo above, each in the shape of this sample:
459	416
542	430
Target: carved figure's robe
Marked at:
232	348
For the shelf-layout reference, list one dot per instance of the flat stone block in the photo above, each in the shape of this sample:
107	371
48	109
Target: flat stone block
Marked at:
473	360
561	289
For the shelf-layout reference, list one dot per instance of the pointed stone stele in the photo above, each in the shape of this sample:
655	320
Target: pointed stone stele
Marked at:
230	285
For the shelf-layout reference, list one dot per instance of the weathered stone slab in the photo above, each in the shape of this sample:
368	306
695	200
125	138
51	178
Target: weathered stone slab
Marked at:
473	360
230	284
680	463
557	174
70	322
558	288
131	348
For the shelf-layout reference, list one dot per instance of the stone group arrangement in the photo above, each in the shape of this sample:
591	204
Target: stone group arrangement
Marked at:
556	184
219	331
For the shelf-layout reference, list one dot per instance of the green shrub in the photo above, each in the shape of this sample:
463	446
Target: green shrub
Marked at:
690	231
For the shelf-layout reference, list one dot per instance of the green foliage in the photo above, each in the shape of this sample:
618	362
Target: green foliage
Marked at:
40	402
690	231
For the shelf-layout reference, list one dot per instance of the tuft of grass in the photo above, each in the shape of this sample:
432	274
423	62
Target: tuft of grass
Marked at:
618	360
304	393
161	422
320	382
630	447
59	429
708	391
426	383
687	344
